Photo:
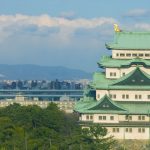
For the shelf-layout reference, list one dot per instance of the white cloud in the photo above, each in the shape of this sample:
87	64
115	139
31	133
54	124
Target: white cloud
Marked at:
11	24
45	20
52	41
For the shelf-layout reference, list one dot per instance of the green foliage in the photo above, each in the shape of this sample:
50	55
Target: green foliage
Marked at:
34	128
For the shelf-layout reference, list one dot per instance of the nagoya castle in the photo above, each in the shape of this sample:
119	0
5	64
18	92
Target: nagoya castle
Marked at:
119	97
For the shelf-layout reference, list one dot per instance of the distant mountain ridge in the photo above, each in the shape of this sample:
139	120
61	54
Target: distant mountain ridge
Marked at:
35	72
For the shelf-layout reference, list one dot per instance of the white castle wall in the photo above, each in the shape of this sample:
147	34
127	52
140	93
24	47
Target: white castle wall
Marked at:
117	95
123	54
119	72
120	132
116	118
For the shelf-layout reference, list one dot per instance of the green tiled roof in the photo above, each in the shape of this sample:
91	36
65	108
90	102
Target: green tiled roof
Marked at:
130	41
135	78
124	83
107	61
106	104
125	107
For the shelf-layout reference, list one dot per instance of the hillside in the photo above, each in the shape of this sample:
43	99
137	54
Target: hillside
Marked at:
28	72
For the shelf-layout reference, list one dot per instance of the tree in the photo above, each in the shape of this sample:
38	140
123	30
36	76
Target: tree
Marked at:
92	138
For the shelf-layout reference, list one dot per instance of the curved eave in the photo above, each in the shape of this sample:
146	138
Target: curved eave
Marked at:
119	64
139	88
113	46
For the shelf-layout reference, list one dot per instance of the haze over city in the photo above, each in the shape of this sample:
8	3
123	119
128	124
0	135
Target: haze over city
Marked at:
70	33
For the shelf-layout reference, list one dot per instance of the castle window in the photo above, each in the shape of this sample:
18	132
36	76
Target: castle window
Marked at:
123	96
123	74
128	54
122	54
147	55
148	96
134	55
143	117
117	54
106	105
141	130
126	117
115	130
91	117
114	96
140	55
129	130
111	117
100	117
139	117
130	117
104	117
98	95
87	117
112	74
127	96
136	96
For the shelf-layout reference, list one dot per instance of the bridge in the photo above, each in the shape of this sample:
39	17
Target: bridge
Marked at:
49	94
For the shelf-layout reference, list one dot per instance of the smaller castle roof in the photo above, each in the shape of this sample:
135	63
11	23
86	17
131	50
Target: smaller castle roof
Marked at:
107	106
135	80
107	61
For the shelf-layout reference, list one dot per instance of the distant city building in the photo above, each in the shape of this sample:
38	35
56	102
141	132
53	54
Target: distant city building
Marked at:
119	98
64	104
43	84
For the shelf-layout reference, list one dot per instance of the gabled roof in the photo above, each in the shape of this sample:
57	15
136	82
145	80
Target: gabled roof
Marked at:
130	40
136	77
106	104
102	83
107	61
115	107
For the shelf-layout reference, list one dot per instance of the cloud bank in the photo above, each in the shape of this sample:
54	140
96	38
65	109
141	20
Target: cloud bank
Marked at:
53	41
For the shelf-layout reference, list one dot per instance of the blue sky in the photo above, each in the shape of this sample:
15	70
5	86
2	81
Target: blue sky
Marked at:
70	33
